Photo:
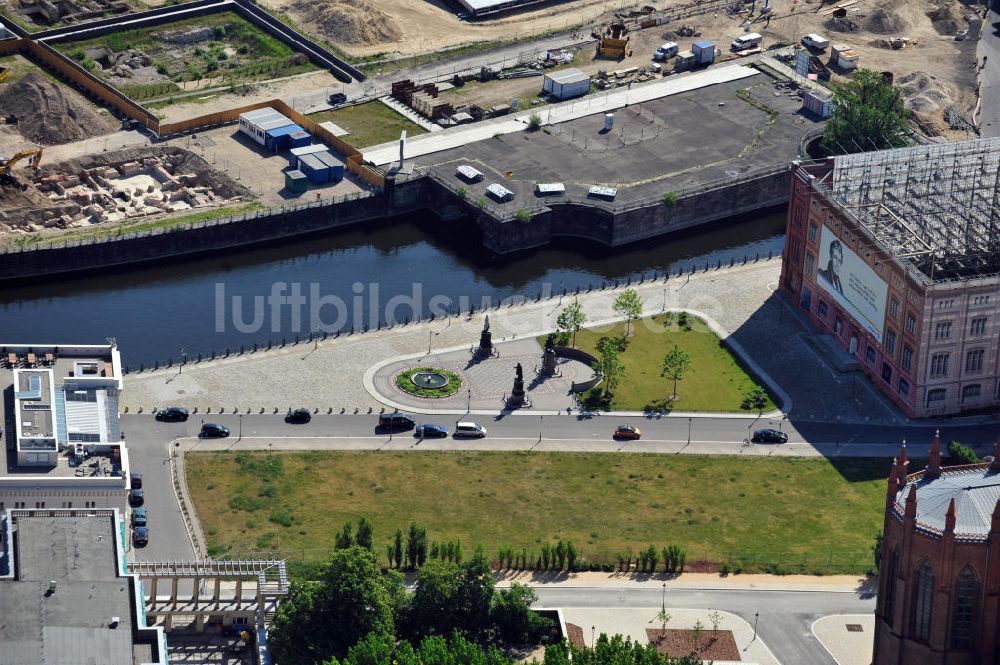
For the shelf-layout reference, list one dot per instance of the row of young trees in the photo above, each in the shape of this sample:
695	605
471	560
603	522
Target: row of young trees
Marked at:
673	557
561	556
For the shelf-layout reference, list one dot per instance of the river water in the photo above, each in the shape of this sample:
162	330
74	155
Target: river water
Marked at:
397	270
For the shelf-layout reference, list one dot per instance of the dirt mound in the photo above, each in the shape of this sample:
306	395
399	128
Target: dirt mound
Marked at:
50	114
945	20
841	24
924	94
355	22
885	22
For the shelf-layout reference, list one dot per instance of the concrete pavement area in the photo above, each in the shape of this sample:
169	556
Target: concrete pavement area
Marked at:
329	375
849	638
988	56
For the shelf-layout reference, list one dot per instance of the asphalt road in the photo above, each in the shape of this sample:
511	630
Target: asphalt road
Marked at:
785	617
989	76
148	442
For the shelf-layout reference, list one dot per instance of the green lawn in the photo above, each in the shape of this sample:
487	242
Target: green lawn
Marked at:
369	124
803	515
715	382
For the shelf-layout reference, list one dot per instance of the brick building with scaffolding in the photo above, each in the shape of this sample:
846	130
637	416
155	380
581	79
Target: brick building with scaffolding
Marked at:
939	572
895	255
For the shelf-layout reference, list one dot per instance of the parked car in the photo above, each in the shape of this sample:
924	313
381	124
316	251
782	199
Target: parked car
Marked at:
140	536
136	480
138	517
430	431
630	432
395	422
769	436
298	416
337	98
665	51
172	414
136	497
469	430
213	431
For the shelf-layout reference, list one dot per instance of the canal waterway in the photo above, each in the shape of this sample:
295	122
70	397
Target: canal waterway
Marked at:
398	270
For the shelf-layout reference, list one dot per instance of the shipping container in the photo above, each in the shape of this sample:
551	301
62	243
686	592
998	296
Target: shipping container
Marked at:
276	138
848	60
296	181
317	172
335	165
499	193
684	60
468	174
704	52
299	139
819	102
604	193
295	153
256	123
550	189
566	84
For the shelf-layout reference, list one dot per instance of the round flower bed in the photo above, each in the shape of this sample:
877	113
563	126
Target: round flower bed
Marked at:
429	382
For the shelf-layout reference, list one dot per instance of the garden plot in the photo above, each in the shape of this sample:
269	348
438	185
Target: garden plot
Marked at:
194	54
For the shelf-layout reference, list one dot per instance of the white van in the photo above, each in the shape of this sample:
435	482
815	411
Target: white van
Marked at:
747	41
666	50
815	41
471	430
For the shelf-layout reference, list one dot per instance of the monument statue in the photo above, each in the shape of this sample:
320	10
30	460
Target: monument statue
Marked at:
517	396
549	357
486	339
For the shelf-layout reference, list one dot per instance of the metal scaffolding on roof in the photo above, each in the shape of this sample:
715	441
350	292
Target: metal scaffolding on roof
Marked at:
935	207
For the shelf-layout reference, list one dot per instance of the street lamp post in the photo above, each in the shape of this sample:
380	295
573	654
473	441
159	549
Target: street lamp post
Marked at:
430	334
468	405
592	629
663	601
180	368
241	428
755	616
690	422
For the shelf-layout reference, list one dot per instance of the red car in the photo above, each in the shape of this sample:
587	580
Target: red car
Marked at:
628	432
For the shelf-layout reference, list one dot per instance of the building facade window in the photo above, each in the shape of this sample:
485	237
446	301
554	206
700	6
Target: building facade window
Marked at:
887	372
904	387
974	361
894	308
978	326
907	358
971	392
964	614
812	232
890	342
822	308
838	325
809	264
934	396
923	598
980	300
870	355
945	304
911	323
942	330
939	364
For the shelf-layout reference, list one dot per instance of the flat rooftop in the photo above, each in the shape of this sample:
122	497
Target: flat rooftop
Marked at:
73	623
673	143
933	207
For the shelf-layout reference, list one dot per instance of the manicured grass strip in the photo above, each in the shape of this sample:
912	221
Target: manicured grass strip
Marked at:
405	381
802	515
369	124
716	381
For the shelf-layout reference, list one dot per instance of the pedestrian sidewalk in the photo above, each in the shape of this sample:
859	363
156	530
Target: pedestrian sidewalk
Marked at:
335	374
703	581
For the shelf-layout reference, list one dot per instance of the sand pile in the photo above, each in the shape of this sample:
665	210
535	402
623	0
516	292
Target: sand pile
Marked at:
885	22
945	20
925	93
355	22
841	24
49	114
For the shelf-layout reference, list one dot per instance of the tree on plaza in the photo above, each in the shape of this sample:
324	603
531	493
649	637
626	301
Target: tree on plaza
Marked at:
571	319
615	650
676	364
868	114
365	531
628	305
345	538
755	399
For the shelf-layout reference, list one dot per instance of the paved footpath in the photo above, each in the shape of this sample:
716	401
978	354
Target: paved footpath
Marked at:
740	300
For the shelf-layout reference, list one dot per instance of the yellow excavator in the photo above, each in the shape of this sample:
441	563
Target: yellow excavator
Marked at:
33	156
3	73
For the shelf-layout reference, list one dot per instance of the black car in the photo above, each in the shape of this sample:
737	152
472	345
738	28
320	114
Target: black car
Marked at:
431	431
337	98
140	536
172	414
769	436
136	497
395	422
298	416
136	481
213	431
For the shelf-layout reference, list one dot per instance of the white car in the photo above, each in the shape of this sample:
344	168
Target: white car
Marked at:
667	50
815	41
